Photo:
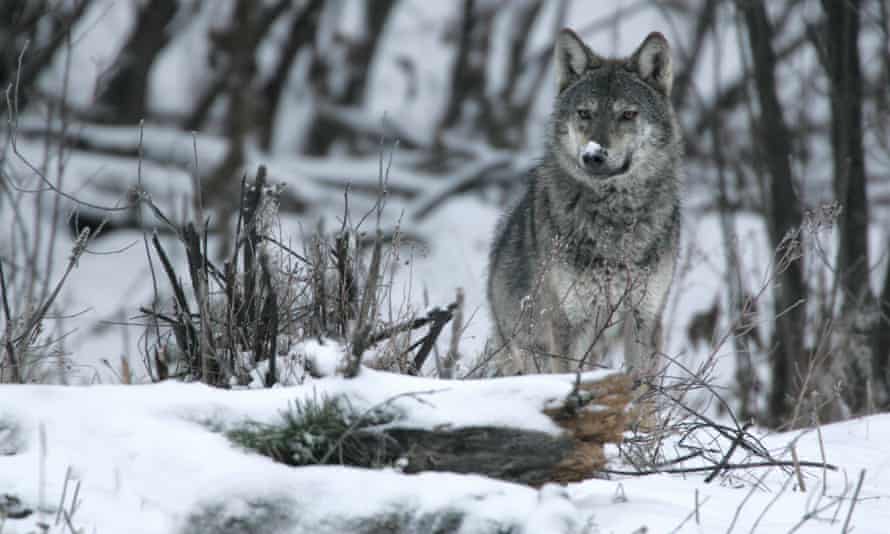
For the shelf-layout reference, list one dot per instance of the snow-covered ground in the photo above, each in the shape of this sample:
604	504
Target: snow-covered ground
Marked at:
146	462
143	459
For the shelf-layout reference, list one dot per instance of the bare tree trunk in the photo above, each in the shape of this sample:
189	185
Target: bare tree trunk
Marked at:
841	55
360	53
23	21
232	47
468	71
704	21
880	341
499	115
790	358
508	109
746	386
524	97
124	98
238	43
301	33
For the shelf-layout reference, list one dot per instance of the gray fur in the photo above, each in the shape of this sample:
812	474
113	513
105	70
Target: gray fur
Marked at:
587	255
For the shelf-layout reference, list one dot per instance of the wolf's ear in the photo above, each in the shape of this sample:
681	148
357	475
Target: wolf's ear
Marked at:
652	61
572	58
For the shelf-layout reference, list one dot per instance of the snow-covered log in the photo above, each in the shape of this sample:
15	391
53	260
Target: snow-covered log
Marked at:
587	417
162	459
531	430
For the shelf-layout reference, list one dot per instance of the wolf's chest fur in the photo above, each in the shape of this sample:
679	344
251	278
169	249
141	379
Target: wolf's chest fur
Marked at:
611	228
601	294
613	248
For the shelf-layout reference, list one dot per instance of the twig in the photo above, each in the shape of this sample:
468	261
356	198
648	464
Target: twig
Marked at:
728	455
413	324
79	246
691	514
821	451
440	319
457	325
10	348
267	331
697	517
185	333
797	470
64	493
846	528
68	522
284	247
366	311
770	504
738	509
727	467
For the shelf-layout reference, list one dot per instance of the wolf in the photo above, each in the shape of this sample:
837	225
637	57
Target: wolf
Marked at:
586	257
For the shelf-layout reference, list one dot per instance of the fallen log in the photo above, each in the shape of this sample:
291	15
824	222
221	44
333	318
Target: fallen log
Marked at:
590	417
564	445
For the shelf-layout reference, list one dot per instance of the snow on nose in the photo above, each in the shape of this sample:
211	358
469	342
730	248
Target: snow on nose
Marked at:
592	147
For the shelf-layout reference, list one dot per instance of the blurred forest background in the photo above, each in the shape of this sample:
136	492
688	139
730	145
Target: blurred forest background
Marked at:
785	108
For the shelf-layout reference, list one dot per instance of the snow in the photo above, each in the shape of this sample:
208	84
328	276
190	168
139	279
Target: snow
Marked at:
146	452
148	462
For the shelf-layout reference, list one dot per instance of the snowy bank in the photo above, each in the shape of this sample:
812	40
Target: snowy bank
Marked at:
152	459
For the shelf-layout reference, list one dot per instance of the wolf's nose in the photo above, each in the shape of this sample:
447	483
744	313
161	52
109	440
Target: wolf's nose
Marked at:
592	159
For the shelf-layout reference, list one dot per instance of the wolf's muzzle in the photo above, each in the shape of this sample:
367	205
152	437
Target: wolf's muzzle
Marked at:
593	160
594	156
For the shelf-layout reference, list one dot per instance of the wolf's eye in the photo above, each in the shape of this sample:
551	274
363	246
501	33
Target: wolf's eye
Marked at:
584	114
629	114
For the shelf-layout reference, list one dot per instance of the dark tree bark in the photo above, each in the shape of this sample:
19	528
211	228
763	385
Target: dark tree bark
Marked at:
17	24
360	53
841	56
773	143
124	98
880	340
301	33
509	110
844	71
500	115
234	52
703	23
465	74
20	22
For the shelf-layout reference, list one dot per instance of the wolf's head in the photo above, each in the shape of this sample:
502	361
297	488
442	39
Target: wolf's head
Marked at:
613	116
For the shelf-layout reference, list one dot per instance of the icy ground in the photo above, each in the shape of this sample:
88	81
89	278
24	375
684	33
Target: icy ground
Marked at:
146	460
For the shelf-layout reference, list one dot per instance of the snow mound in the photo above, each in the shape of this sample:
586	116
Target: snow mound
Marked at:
146	459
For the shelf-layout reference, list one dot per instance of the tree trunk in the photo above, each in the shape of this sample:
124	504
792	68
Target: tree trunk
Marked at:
845	91
683	81
880	341
360	53
124	98
234	50
790	358
301	33
465	75
44	28
842	54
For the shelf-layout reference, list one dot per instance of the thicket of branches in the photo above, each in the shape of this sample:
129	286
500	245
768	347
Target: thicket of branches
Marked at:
756	143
